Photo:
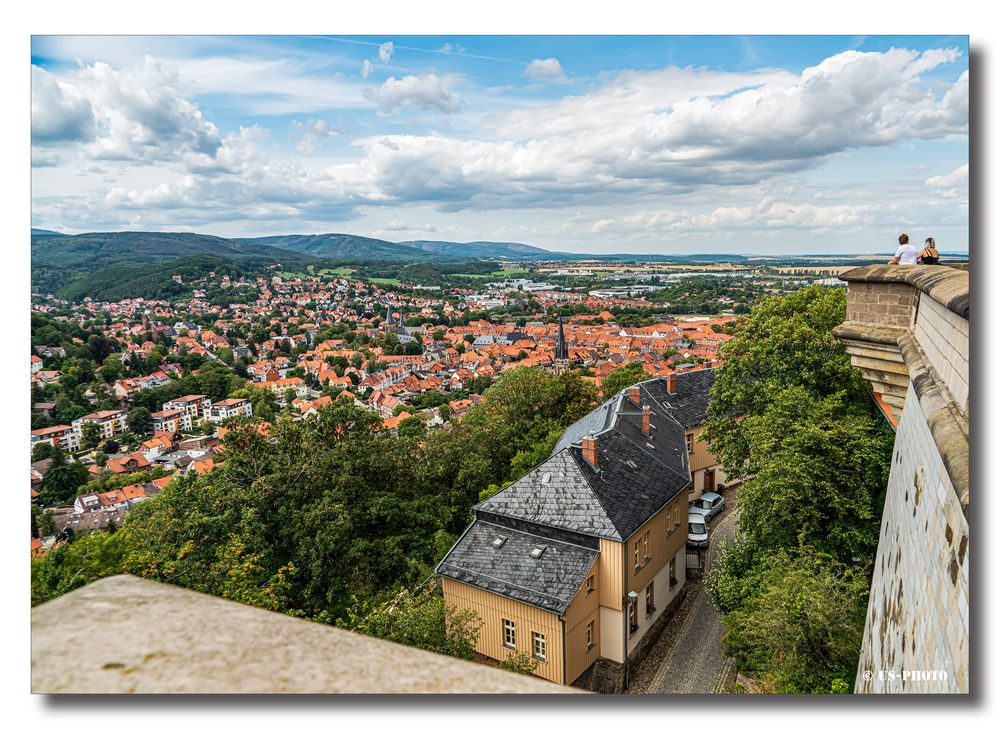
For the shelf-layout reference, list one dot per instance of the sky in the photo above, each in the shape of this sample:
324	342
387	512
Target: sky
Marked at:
577	143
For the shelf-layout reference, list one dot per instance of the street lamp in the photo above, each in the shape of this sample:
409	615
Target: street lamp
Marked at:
632	597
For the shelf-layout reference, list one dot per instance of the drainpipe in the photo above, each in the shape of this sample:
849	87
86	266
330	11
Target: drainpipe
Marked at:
625	611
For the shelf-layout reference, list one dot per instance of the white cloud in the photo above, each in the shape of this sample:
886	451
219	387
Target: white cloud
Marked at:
545	69
430	91
312	132
60	112
45	158
957	176
947	186
366	68
136	114
689	146
385	52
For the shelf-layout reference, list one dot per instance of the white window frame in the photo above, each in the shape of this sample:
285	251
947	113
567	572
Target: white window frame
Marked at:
645	547
590	635
590	584
650	598
509	628
538	641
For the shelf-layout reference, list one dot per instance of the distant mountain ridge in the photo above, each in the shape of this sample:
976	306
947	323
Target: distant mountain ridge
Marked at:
487	249
345	247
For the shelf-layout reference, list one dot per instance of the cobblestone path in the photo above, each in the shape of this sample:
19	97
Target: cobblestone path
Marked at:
688	657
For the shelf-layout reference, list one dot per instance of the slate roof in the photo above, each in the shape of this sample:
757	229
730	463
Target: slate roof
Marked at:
632	483
549	582
563	499
596	421
689	404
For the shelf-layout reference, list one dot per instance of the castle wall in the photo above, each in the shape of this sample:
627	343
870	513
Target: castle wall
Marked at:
918	612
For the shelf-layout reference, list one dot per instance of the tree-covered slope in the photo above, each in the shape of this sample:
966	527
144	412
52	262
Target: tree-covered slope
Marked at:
59	260
341	246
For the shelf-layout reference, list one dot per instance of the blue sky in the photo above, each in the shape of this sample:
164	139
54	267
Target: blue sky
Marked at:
592	144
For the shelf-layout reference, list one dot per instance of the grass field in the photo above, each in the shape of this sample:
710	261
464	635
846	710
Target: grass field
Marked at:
386	281
341	271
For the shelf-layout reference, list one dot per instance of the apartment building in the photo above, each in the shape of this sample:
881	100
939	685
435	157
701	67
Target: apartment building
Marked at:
196	406
58	436
171	421
230	408
583	558
111	422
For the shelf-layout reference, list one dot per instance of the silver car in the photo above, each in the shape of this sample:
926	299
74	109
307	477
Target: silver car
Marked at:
707	505
697	531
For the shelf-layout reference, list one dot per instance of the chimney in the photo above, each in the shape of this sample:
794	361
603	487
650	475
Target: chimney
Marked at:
590	449
672	383
645	420
633	395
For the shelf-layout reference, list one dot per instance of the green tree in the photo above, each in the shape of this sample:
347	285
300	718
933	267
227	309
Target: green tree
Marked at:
90	435
139	420
70	566
61	480
263	401
41	451
800	628
623	377
411	428
786	341
420	619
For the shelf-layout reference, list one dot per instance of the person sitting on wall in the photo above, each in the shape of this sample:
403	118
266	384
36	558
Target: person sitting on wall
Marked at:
929	255
906	255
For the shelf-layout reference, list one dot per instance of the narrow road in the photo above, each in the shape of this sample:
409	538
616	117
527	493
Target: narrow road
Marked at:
688	658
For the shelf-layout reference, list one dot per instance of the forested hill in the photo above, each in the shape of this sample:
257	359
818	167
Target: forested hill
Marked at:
155	280
345	247
60	260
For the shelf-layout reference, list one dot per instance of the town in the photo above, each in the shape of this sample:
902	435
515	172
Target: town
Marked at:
119	386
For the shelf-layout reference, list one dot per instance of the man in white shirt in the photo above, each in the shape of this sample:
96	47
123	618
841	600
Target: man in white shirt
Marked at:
906	255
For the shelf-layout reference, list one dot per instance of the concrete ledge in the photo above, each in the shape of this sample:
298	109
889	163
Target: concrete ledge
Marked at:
127	635
947	286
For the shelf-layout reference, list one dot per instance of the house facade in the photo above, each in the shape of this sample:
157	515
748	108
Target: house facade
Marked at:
583	559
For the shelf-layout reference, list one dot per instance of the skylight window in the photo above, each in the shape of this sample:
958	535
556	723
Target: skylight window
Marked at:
537	552
546	477
631	464
499	542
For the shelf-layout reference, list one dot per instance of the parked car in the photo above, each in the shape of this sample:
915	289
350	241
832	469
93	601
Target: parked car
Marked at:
697	531
707	505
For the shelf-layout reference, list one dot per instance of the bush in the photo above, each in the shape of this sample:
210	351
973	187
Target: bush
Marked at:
520	663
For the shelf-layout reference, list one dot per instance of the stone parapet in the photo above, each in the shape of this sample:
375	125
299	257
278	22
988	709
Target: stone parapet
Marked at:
907	331
170	640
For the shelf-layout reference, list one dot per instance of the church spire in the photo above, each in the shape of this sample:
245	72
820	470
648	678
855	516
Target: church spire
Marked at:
562	351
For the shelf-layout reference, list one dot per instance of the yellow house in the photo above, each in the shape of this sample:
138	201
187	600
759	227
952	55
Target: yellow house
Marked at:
582	560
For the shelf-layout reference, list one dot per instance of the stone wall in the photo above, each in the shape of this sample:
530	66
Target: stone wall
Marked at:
944	338
907	331
918	612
